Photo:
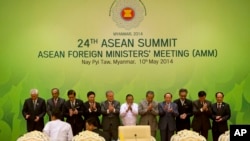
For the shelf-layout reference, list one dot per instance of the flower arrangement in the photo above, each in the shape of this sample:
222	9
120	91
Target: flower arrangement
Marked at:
34	136
187	135
88	136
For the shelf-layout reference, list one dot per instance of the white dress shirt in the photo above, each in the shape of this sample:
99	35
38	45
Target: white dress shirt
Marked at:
58	130
130	117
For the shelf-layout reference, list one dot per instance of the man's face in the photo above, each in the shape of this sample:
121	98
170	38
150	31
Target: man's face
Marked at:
91	98
130	99
55	93
219	98
202	99
110	96
183	95
150	97
89	127
72	97
33	96
168	98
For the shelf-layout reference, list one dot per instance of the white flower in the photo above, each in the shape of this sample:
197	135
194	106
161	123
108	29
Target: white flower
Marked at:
34	136
88	136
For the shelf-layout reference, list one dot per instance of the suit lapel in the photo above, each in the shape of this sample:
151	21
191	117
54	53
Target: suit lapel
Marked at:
199	104
163	104
76	103
87	105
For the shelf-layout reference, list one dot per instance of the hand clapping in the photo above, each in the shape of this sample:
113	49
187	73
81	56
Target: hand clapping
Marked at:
205	107
150	107
93	106
111	108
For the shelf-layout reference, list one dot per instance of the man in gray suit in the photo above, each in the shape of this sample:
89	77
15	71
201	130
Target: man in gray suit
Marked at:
167	111
110	110
148	110
55	103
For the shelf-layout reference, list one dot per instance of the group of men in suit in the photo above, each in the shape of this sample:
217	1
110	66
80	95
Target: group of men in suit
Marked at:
173	116
35	108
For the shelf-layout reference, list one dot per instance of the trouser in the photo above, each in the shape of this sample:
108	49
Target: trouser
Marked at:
216	135
166	134
203	132
112	132
32	125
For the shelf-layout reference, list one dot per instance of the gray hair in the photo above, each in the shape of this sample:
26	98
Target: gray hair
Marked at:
34	91
109	91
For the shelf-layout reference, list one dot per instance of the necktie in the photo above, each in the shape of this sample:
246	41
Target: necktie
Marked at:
34	104
72	105
219	106
182	103
55	101
167	105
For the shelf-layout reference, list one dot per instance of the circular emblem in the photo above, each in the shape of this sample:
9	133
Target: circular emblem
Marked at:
127	13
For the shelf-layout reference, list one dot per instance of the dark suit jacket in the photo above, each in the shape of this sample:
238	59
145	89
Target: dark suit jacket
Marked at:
93	114
167	119
105	135
201	120
75	120
40	110
187	108
225	112
51	106
110	119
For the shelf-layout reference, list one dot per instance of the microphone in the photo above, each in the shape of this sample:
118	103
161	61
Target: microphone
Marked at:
135	137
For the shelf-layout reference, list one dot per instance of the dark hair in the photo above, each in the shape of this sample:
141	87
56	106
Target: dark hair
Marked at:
92	121
55	89
90	93
183	90
128	95
169	94
149	92
202	93
56	113
219	93
70	92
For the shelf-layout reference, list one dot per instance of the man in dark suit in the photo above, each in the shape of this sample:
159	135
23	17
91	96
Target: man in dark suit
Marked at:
92	108
33	111
185	109
202	113
167	112
55	103
221	113
110	115
91	125
73	110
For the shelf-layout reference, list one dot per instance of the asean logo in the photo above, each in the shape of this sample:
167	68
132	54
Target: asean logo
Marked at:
127	13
